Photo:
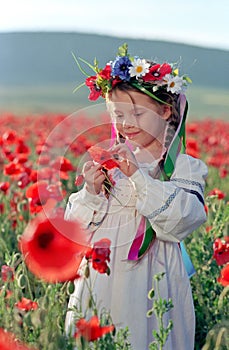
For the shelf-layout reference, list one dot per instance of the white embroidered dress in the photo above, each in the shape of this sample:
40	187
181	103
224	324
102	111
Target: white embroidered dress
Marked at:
174	210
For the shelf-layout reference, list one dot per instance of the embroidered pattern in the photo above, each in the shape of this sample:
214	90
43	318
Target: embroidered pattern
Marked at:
189	182
165	206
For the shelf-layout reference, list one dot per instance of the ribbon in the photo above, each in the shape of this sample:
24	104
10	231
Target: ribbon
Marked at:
135	247
145	234
178	143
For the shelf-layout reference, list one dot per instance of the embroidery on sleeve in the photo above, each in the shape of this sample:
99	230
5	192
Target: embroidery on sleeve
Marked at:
188	182
165	206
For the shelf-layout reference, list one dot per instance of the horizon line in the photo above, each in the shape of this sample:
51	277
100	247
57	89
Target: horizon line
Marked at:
74	31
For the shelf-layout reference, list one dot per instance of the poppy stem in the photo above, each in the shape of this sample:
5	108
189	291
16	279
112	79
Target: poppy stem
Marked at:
109	185
113	196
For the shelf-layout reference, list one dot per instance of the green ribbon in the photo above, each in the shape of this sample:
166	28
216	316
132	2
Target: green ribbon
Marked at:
170	160
149	236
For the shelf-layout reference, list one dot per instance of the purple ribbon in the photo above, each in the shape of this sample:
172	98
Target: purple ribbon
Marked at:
134	249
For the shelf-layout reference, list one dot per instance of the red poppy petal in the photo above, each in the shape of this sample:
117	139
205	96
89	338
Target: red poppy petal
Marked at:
53	248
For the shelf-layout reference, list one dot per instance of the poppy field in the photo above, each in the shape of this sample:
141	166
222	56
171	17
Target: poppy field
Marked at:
41	159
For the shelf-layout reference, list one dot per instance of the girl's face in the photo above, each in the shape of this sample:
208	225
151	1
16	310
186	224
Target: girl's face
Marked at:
138	118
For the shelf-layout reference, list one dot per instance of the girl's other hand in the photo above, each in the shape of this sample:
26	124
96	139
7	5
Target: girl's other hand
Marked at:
93	177
125	158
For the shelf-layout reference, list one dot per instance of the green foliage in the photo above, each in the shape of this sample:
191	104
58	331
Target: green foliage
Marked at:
43	327
159	308
218	337
211	299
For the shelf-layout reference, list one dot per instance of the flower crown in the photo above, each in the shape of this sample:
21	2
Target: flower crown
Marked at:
140	73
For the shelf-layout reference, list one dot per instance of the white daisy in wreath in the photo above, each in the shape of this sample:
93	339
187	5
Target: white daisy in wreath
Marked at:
139	68
175	84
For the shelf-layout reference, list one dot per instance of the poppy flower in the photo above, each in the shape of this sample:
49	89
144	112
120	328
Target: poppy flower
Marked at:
53	248
23	180
79	180
7	273
9	137
192	128
104	157
221	250
4	186
8	342
157	72
99	255
62	164
22	147
12	168
26	304
223	172
37	194
91	330
224	276
192	148
217	192
106	72
21	158
95	91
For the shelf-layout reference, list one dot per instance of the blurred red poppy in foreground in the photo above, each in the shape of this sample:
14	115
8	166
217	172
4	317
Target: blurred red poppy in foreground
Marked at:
104	157
8	342
221	250
91	330
224	276
53	248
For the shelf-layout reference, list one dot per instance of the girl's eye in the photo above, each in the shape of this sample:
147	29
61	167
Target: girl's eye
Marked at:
138	114
118	116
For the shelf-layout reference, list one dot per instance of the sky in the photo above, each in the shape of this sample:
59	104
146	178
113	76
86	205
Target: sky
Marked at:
199	22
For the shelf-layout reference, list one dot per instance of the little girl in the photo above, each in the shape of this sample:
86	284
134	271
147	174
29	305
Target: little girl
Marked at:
148	110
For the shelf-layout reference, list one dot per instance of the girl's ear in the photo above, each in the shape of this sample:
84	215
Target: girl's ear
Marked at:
166	111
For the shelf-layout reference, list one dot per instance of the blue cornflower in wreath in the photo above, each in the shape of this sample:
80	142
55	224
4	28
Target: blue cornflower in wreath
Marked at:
120	67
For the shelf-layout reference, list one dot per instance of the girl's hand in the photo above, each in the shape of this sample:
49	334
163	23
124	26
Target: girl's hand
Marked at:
93	177
126	159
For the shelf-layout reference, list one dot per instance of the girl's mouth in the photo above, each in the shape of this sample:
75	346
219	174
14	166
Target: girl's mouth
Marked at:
131	135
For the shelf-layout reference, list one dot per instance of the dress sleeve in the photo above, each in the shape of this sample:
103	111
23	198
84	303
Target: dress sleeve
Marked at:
174	208
86	207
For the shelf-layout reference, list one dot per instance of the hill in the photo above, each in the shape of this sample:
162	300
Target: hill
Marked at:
40	61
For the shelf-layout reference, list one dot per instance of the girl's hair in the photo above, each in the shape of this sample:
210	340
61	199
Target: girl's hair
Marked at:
172	122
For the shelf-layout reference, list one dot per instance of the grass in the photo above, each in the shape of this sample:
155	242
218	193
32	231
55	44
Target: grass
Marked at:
21	100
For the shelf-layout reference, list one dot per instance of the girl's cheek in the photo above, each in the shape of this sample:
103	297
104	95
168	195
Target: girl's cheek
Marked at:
119	127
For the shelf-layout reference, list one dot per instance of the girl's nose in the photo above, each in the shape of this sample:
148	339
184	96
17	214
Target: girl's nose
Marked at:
129	120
